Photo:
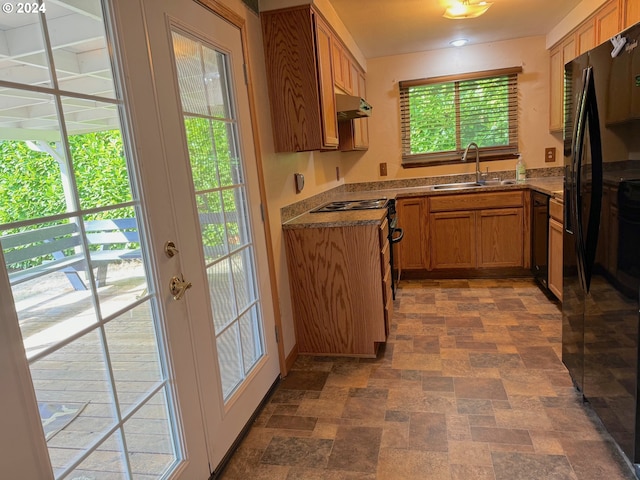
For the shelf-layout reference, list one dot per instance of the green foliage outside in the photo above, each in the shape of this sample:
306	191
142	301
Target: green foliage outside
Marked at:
31	183
213	167
483	115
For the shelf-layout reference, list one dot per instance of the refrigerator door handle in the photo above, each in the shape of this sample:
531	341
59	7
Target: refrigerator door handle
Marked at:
587	241
595	209
575	196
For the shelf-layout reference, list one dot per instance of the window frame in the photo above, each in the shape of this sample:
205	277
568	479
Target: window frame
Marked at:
454	156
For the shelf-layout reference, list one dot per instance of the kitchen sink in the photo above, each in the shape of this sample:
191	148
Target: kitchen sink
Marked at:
457	186
465	185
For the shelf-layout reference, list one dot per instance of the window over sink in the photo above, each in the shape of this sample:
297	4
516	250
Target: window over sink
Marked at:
440	116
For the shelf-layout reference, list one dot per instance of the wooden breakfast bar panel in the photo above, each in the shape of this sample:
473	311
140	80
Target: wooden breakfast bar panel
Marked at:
336	280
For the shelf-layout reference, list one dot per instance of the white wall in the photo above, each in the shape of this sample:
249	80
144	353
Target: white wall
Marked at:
383	93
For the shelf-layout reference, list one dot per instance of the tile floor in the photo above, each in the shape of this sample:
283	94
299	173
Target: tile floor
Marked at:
469	386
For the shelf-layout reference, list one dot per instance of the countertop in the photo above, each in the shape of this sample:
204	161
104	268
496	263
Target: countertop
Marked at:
552	186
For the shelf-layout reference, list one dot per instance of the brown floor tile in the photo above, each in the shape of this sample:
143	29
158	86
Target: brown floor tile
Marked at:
495	360
487	388
292	422
540	357
501	435
437	384
303	452
355	449
469	453
395	464
428	431
477	472
304	380
469	386
524	466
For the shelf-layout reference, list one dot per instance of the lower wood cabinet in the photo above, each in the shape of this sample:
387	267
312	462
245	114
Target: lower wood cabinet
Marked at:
479	231
500	237
340	281
412	218
453	240
556	238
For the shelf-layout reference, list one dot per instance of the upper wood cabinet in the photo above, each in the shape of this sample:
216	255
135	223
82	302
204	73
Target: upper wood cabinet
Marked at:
298	57
631	13
354	134
556	89
606	22
342	71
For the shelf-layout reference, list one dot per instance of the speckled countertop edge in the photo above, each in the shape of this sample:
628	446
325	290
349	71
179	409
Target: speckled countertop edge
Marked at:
299	216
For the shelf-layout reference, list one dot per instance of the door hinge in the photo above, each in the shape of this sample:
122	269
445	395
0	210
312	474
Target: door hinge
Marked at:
277	335
246	75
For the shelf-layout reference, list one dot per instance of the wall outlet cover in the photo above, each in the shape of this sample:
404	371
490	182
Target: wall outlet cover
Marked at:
550	154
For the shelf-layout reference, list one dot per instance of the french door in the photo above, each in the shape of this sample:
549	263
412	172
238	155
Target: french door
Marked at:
206	137
141	357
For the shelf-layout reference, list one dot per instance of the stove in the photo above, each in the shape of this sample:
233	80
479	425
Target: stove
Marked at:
346	205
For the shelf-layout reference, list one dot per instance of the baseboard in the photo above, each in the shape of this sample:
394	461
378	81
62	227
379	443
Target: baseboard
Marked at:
291	358
243	433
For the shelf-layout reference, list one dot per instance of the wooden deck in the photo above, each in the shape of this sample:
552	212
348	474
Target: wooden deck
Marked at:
126	418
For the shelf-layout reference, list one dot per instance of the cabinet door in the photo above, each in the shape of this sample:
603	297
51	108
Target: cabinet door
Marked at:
452	240
354	134
412	219
361	133
632	13
336	57
556	90
347	72
608	22
555	258
328	114
500	238
586	37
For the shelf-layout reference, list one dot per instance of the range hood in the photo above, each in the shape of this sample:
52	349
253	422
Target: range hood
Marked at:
349	106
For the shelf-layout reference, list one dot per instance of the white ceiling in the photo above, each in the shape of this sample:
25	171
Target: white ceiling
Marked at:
82	64
392	27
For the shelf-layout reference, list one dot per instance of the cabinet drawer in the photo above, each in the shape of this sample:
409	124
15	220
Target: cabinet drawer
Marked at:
385	255
386	285
384	231
388	315
475	201
556	210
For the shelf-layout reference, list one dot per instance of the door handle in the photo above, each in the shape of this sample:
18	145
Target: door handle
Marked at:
178	286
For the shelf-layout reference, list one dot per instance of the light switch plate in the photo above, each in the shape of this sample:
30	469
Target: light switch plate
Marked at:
383	169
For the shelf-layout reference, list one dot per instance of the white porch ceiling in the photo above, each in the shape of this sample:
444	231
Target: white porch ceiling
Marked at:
82	66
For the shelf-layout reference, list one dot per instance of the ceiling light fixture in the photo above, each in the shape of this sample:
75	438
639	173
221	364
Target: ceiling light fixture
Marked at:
460	42
466	9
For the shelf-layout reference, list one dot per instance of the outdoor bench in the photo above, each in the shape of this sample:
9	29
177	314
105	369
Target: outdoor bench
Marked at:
55	242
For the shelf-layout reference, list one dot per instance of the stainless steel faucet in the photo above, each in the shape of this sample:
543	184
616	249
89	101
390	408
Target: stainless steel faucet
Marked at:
466	153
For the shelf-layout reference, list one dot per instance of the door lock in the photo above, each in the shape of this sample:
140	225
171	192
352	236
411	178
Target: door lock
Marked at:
170	249
178	286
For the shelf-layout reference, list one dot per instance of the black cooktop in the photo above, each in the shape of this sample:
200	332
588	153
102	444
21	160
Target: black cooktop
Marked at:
345	205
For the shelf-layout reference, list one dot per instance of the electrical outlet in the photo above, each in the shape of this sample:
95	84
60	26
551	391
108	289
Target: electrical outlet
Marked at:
383	169
550	154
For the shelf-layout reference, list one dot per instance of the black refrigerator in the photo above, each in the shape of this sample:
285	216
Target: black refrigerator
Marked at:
601	280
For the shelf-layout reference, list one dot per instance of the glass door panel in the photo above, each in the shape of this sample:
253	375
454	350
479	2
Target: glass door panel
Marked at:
211	129
75	250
